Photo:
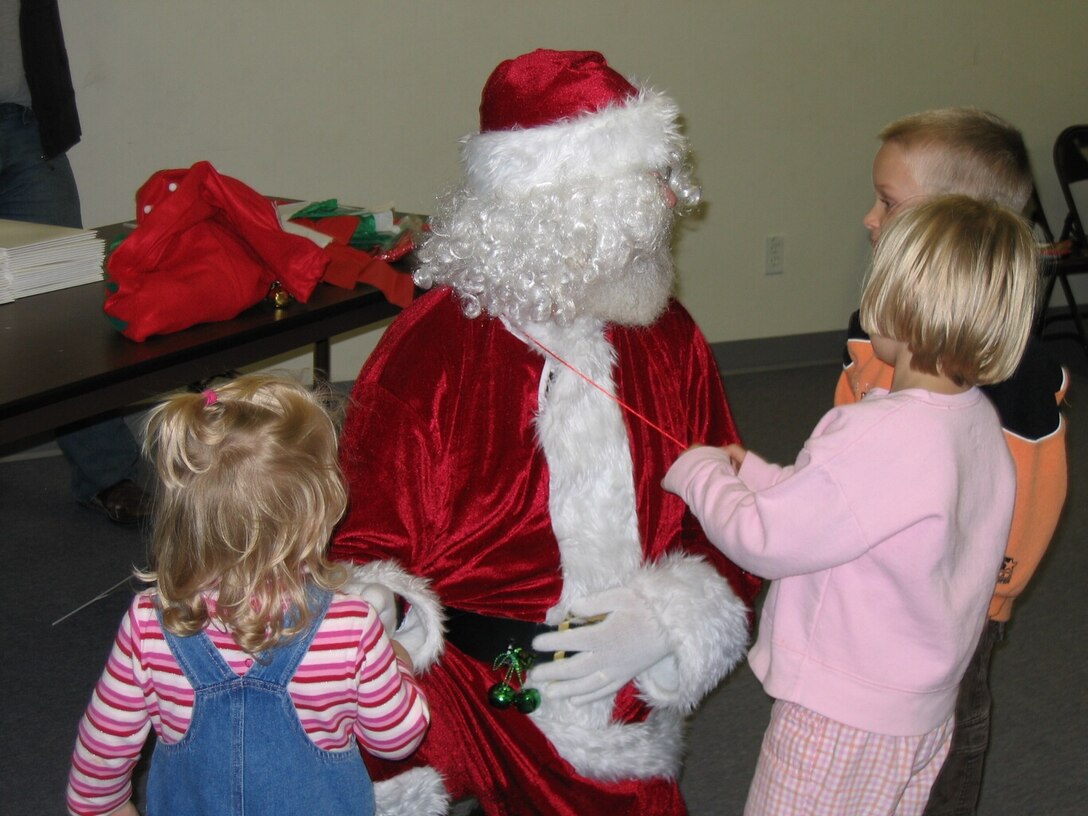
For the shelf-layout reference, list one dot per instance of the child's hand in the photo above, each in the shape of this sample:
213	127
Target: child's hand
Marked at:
127	809
402	653
736	454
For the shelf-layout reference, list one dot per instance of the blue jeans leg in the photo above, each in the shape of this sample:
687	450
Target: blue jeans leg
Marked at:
42	190
958	785
33	188
101	455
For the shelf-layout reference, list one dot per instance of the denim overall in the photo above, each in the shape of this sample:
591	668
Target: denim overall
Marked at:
245	752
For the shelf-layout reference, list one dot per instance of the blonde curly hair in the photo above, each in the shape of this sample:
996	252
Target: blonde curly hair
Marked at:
249	492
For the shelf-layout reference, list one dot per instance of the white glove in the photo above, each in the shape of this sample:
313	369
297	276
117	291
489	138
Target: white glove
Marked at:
385	604
609	654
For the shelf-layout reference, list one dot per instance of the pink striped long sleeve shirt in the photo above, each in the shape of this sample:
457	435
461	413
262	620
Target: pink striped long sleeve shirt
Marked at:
348	684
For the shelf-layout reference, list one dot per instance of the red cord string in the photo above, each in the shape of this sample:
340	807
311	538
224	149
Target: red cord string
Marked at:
613	397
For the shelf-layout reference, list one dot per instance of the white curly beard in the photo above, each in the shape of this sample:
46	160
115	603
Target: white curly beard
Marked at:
597	249
637	294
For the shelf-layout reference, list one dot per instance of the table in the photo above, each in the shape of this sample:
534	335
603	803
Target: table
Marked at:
64	362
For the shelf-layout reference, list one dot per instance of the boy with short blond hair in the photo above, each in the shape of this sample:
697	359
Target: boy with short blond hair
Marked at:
966	151
975	153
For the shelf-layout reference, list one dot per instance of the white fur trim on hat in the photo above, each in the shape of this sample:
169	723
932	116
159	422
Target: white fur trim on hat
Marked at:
640	135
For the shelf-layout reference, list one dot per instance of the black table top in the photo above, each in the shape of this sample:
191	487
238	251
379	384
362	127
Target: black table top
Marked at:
63	360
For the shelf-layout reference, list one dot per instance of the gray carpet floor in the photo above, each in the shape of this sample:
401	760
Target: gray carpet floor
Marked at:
59	556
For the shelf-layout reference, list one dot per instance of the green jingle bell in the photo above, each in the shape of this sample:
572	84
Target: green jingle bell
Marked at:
501	695
527	700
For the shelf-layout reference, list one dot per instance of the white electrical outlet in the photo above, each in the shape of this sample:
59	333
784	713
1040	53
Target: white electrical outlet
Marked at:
774	255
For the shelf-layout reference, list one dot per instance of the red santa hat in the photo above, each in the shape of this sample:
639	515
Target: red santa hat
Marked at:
552	117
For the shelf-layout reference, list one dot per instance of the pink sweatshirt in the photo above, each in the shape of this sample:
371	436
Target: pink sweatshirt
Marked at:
883	542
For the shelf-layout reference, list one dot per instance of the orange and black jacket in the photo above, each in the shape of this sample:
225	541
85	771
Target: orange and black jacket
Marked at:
1028	404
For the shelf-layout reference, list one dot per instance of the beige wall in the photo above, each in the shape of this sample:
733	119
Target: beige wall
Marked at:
365	101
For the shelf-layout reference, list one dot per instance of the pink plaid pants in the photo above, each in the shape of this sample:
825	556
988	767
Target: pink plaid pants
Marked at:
812	766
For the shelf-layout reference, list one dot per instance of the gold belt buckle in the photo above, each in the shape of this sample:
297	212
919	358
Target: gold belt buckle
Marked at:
573	623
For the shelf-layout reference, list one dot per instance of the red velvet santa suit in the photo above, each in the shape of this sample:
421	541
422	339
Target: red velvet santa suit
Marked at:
457	461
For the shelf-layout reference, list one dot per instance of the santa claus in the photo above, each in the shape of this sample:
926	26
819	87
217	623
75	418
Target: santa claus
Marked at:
504	450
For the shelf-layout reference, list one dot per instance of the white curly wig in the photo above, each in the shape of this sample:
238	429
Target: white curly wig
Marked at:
566	219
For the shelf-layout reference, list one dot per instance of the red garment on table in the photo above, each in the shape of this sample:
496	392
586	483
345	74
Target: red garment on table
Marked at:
206	247
447	478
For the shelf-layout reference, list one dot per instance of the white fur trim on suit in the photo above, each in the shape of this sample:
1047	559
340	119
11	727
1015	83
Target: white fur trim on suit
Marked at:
612	752
591	490
641	135
422	631
592	502
416	792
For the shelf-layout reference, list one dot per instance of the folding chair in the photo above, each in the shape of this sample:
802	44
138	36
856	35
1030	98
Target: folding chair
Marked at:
1069	255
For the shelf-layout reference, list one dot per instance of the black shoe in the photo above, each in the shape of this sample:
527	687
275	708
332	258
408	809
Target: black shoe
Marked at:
123	503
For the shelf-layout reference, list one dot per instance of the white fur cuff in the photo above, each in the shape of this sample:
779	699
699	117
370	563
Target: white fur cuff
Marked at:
707	624
422	632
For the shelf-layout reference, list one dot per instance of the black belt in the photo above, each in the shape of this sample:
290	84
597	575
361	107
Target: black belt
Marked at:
485	638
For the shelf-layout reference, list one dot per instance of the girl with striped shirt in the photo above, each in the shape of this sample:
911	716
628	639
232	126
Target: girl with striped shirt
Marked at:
257	676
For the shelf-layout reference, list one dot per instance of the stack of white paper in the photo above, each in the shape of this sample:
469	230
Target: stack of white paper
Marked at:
36	258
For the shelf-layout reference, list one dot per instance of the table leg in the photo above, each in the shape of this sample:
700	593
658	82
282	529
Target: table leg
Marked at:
322	365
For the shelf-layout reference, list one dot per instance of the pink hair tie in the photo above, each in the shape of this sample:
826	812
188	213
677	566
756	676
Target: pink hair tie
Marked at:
210	397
